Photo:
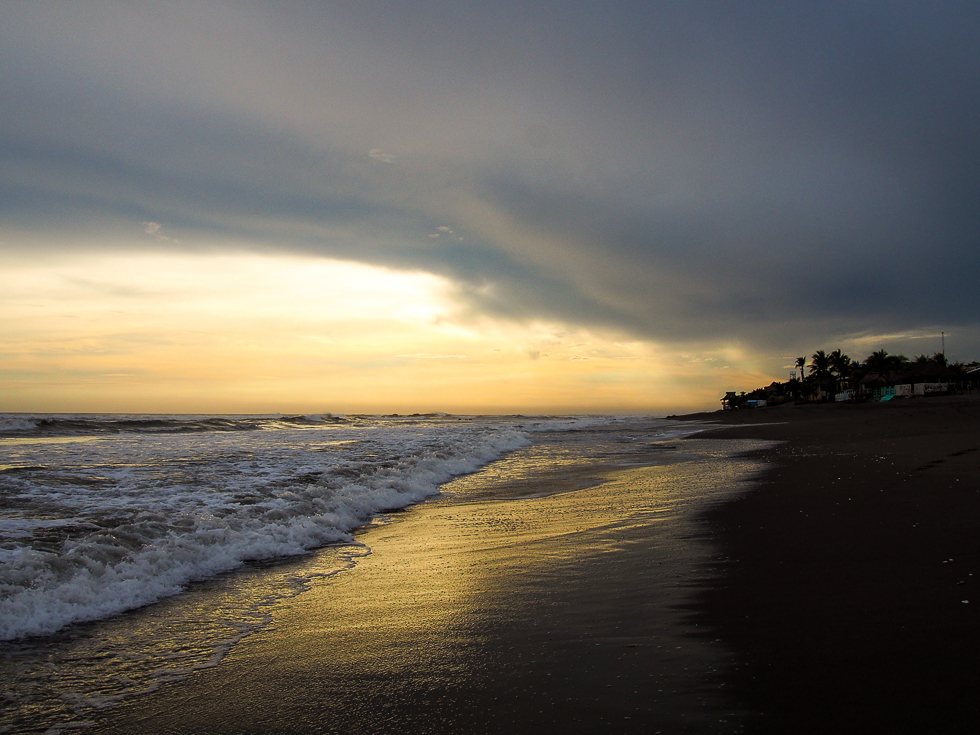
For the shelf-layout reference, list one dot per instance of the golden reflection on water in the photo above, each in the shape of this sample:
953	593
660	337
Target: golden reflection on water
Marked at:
537	471
521	593
473	596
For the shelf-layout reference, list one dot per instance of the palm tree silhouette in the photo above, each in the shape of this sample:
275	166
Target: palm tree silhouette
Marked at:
820	364
840	364
801	364
820	368
879	362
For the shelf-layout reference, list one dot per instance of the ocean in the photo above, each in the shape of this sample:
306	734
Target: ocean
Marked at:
136	549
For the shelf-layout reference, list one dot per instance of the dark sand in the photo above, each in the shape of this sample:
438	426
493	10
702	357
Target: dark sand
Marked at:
839	605
851	567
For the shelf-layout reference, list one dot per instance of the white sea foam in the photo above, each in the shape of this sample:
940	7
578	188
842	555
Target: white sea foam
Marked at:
91	529
13	423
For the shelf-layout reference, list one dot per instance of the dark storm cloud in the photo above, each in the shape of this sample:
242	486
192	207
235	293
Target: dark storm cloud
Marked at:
685	171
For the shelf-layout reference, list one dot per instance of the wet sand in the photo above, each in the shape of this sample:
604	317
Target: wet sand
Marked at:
568	612
839	594
851	590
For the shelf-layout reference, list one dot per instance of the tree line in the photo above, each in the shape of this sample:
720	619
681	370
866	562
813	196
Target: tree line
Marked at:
832	372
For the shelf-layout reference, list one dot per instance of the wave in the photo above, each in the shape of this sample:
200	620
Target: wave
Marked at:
92	529
45	425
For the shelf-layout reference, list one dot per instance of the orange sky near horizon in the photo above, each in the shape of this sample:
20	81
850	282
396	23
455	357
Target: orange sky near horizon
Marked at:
350	207
246	333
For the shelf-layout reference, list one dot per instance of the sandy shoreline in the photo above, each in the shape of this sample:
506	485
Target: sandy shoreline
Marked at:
833	603
564	613
852	590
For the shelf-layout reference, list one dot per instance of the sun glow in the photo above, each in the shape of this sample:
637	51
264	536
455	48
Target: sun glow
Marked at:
253	333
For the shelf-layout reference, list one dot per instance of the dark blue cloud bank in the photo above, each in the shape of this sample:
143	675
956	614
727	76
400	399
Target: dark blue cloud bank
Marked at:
776	175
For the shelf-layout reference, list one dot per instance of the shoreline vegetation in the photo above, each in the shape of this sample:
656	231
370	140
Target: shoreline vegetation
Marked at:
834	376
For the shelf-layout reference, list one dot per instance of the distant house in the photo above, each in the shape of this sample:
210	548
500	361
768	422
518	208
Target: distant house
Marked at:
919	379
730	401
774	392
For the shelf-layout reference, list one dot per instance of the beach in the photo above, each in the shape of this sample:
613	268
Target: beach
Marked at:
794	569
556	601
850	588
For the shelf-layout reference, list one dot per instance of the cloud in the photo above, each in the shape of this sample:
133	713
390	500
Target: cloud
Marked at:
155	230
379	155
685	173
446	232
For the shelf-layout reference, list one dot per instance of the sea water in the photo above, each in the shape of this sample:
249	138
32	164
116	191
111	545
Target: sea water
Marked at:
136	549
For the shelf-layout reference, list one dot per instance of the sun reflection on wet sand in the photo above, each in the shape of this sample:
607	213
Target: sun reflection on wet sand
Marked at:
565	608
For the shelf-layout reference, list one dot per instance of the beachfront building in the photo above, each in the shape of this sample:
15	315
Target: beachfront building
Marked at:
882	377
920	379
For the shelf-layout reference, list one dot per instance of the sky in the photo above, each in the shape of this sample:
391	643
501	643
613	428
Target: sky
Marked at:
585	207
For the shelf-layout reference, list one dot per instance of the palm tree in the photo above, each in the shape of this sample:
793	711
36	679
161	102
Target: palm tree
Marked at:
820	367
878	362
898	362
820	364
882	363
801	364
840	363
